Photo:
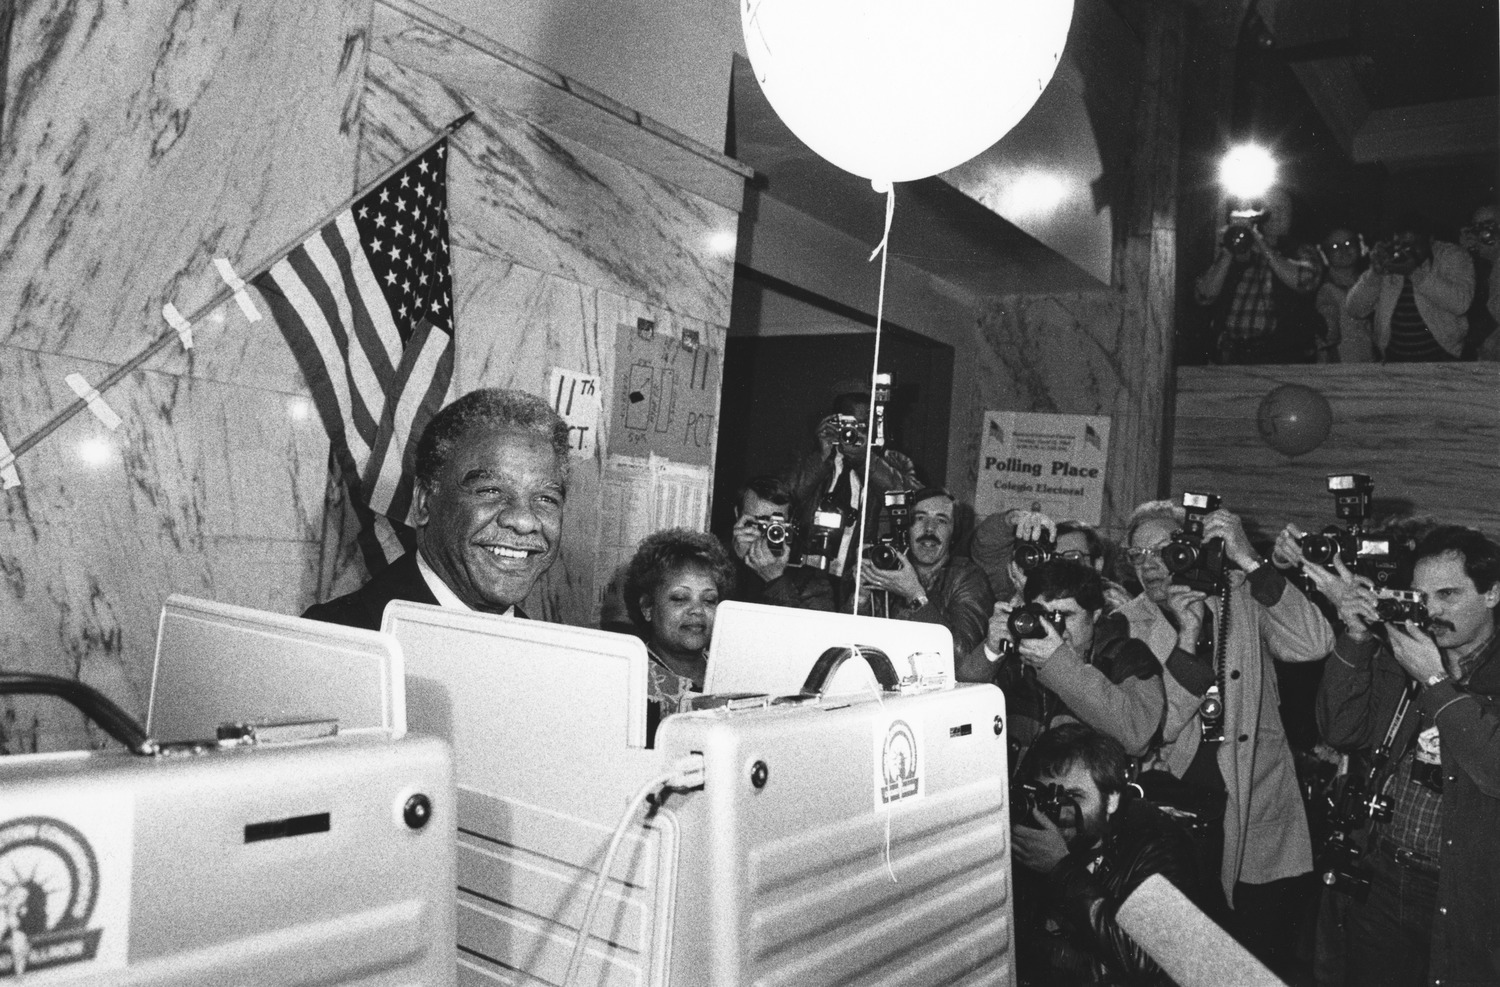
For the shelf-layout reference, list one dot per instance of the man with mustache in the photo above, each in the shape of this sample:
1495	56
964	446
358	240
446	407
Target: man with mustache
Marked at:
1434	868
929	584
491	480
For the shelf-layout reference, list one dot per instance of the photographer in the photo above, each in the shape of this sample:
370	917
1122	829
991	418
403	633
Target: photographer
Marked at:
928	583
994	542
1108	843
1239	759
1257	295
766	574
1419	291
832	477
1434	868
1481	238
1070	661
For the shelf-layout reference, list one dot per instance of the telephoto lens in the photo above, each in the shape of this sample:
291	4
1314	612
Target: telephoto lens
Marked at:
1030	554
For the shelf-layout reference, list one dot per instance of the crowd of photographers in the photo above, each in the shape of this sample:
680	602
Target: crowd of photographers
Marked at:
1146	714
1402	294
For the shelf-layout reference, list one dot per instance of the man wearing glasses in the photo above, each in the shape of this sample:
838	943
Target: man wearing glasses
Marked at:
1239	758
1083	667
994	542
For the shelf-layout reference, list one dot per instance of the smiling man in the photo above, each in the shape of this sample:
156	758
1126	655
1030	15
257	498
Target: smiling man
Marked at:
491	480
928	583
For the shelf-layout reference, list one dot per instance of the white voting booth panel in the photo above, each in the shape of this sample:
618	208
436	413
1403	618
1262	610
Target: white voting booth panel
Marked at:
217	663
756	648
875	850
274	863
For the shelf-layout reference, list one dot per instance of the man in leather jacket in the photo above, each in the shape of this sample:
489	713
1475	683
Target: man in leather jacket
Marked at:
1078	873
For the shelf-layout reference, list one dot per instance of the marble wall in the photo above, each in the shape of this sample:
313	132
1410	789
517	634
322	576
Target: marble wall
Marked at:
139	142
137	145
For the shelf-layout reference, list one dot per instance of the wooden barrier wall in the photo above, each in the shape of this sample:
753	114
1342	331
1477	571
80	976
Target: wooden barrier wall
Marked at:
1429	436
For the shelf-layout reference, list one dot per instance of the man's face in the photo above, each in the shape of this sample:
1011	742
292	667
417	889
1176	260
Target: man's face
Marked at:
1341	248
931	530
492	522
1094	808
1462	617
1145	546
1075	547
1078	624
756	506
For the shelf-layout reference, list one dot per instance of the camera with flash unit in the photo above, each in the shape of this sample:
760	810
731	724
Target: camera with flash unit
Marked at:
777	531
825	535
1193	562
1372	558
893	530
851	432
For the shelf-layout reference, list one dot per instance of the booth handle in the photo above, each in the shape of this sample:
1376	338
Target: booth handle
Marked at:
87	700
829	662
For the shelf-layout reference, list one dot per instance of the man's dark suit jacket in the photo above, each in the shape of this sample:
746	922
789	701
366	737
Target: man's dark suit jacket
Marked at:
401	580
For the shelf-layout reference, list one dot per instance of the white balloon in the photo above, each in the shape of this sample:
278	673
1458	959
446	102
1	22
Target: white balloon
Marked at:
896	90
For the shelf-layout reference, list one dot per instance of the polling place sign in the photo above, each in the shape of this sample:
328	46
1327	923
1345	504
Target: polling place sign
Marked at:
1051	463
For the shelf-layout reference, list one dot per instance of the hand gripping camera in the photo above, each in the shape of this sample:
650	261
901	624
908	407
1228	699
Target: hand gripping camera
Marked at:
1053	801
1193	562
1028	621
893	530
777	531
1238	238
1031	554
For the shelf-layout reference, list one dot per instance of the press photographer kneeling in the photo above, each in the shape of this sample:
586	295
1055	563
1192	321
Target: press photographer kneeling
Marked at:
1087	842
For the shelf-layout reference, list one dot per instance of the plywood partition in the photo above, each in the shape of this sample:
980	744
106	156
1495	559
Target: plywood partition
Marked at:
1428	434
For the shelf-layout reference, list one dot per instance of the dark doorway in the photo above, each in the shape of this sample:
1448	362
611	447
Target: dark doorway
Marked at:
776	388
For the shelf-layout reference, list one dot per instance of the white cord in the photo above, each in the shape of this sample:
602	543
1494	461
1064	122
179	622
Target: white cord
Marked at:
686	773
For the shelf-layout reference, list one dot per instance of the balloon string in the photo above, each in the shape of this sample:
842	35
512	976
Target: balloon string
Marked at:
883	249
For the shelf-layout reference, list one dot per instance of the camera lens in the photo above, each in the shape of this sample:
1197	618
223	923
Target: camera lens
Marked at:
885	557
776	533
1237	239
1179	556
1026	622
1029	555
1318	549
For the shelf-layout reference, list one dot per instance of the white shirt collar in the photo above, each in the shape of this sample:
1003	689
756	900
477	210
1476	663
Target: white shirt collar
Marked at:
445	596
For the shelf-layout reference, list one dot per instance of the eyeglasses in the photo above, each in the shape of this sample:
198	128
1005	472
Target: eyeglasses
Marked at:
1340	245
1139	556
1074	555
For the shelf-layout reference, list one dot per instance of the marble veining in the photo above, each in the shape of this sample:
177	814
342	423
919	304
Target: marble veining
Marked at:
205	489
520	192
139	144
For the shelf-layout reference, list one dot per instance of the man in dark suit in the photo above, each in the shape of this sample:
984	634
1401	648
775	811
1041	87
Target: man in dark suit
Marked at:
491	480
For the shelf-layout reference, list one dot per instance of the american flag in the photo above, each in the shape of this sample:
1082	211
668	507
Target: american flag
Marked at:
366	304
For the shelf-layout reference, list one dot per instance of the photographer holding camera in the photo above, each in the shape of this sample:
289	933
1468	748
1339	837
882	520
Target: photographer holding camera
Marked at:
1419	290
1224	740
761	544
1257	295
1032	537
1481	238
1431	695
826	484
1061	657
1090	843
927	583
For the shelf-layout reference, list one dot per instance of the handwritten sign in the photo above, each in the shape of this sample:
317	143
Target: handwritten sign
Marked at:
575	397
666	395
1054	461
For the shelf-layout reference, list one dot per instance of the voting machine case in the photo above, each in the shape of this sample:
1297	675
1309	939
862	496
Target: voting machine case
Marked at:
282	864
864	844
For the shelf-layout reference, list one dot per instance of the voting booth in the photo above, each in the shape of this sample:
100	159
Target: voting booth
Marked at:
313	845
857	837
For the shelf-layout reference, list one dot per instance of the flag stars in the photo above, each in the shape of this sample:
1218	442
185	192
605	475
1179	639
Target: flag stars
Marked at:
405	180
401	204
379	220
385	195
422	166
399	228
390	277
393	252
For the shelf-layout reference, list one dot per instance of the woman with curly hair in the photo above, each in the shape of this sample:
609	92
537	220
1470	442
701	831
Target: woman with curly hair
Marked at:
673	586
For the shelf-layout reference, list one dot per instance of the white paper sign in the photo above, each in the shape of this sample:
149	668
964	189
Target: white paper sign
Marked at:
1051	463
575	397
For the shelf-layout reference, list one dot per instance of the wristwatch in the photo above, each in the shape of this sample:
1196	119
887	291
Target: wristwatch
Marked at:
918	602
1433	680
